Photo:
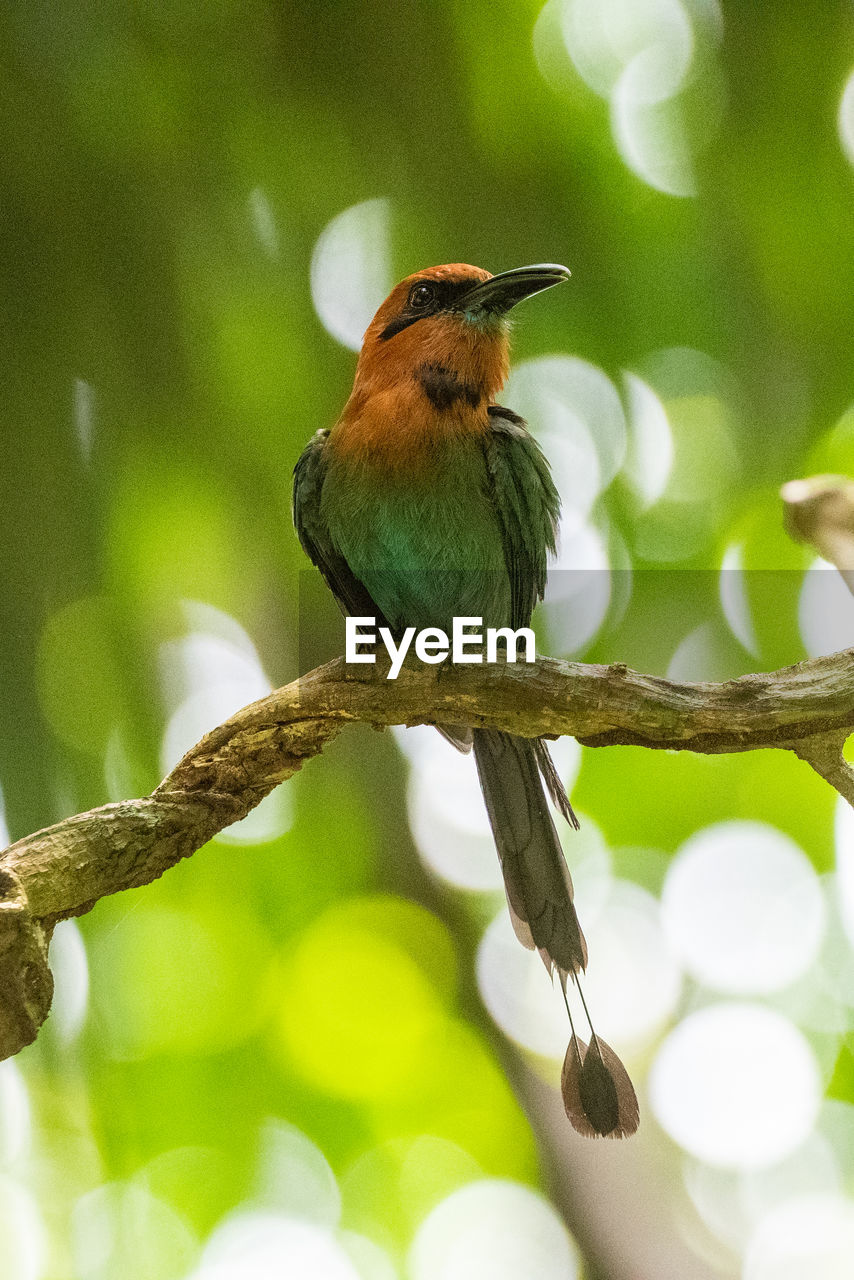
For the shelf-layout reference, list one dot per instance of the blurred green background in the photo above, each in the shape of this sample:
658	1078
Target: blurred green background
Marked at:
315	1049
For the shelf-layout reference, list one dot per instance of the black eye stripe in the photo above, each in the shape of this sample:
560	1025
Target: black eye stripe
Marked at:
403	321
445	294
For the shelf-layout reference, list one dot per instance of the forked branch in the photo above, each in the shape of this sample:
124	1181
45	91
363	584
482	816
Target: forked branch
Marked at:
63	870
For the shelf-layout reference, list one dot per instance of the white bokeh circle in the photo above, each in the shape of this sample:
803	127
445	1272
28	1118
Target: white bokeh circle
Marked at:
23	1237
493	1230
574	405
649	460
15	1116
743	908
735	602
350	270
207	675
579	587
256	1245
808	1236
294	1177
736	1085
732	1202
825	611
845	119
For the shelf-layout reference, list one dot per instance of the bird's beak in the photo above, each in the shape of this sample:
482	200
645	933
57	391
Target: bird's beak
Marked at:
498	294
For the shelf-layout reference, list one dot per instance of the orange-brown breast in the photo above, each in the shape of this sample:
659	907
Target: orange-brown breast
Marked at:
398	430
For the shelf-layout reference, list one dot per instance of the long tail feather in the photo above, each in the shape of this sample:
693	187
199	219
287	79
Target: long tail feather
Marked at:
598	1096
555	786
536	877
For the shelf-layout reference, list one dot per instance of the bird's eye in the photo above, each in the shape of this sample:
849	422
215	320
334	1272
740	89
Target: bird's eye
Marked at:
421	296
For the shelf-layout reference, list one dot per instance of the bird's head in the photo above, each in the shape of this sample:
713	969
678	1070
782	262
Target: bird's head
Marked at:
448	326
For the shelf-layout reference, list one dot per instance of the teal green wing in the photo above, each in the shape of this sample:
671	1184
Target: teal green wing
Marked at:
526	505
313	532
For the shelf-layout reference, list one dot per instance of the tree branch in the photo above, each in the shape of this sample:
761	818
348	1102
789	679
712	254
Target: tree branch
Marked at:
63	870
824	753
820	510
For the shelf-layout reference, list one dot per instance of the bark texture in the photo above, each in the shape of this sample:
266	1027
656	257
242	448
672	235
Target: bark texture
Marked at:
63	870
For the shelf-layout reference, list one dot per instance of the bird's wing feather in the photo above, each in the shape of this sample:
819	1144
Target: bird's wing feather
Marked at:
526	505
313	531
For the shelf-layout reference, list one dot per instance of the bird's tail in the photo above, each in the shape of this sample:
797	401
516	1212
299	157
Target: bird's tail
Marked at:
598	1094
536	877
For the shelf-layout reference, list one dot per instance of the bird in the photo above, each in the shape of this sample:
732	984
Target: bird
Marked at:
428	500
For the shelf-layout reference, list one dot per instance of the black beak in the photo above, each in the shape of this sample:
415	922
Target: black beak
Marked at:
498	294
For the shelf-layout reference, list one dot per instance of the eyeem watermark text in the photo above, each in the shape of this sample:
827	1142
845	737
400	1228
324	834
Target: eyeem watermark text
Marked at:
432	645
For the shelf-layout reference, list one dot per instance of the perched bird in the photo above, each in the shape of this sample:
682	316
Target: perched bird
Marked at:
428	500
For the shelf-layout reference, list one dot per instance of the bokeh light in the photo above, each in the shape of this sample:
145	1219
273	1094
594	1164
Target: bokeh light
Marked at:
264	222
294	1177
633	980
697	396
70	969
84	417
578	589
518	993
703	654
761	576
648	127
207	675
844	844
371	1261
825	611
576	411
496	1229
812	1169
604	39
743	908
732	590
732	1202
807	1236
14	1114
23	1238
365	985
350	272
446	812
258	1245
389	1189
642	57
120	1228
650	451
846	118
736	1085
